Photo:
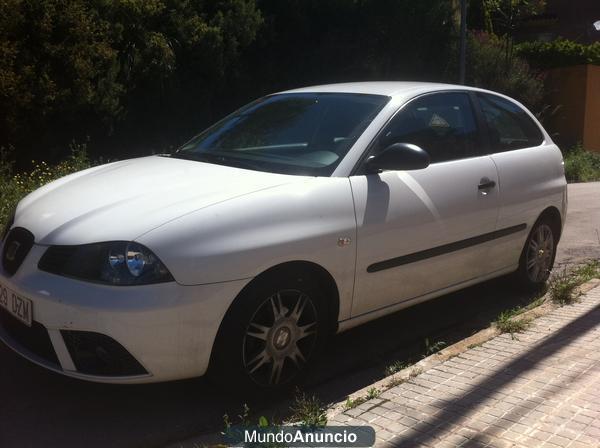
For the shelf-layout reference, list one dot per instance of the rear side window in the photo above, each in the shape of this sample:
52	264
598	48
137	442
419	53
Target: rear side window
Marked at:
509	126
443	124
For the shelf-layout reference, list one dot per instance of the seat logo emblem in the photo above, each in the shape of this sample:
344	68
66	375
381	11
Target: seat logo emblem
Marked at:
12	250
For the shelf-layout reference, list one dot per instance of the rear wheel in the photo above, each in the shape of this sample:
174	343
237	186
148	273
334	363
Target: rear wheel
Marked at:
271	334
537	258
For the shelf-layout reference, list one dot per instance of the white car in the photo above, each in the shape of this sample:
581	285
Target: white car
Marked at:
303	214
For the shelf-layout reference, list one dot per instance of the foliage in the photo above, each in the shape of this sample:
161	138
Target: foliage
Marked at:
352	403
373	393
308	410
507	322
431	348
487	69
582	165
14	186
559	53
506	15
141	76
396	367
563	287
87	65
587	271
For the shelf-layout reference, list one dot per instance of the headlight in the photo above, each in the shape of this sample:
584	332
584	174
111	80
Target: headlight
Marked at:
114	263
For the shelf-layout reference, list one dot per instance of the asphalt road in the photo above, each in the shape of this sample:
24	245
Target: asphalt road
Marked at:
581	236
42	409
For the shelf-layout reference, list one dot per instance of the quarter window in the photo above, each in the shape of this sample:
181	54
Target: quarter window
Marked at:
443	124
509	126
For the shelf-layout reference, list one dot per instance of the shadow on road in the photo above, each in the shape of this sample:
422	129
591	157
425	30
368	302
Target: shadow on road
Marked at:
39	408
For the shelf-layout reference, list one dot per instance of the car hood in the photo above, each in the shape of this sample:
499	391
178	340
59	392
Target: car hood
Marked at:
124	200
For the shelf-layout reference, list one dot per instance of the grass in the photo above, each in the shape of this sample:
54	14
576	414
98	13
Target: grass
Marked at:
563	285
396	367
14	186
563	288
351	403
582	165
309	411
587	271
432	347
372	393
507	322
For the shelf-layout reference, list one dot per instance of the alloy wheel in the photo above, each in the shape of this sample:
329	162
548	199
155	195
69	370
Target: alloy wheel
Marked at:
280	338
540	254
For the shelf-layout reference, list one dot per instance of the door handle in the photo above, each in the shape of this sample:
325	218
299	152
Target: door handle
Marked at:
485	183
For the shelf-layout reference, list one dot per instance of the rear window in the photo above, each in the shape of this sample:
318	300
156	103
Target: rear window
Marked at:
509	126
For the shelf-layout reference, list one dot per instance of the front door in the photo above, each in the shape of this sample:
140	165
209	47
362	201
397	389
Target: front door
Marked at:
424	230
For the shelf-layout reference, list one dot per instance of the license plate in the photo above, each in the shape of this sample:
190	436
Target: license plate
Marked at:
18	306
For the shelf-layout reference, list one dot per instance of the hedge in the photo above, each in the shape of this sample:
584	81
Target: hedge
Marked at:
559	53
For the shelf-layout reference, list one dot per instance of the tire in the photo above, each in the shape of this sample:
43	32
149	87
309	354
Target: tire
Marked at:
537	257
271	334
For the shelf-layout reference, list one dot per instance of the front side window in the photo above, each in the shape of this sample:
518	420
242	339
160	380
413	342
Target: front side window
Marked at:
297	133
509	126
443	124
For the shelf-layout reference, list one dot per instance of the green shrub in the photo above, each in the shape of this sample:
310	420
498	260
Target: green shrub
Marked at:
559	53
489	68
14	186
582	165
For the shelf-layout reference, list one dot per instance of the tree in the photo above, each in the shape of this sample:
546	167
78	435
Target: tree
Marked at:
143	75
504	17
487	69
79	67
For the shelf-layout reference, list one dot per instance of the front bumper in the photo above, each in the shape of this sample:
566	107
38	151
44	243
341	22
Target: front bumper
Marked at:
168	329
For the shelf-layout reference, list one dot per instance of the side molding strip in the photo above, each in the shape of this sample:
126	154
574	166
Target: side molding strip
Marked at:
446	248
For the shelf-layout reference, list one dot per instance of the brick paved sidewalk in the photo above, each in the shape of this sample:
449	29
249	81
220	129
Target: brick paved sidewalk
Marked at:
540	389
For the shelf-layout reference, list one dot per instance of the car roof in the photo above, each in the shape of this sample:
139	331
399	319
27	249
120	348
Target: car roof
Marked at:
387	88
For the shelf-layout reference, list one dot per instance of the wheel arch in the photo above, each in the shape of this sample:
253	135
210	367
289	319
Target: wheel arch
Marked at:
313	271
552	214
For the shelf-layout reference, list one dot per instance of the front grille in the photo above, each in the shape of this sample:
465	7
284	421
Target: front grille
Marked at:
17	245
98	354
34	338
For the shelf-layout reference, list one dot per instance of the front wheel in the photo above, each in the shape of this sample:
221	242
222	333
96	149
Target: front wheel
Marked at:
537	258
271	334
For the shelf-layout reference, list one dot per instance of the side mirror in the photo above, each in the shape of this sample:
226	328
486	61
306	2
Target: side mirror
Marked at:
399	156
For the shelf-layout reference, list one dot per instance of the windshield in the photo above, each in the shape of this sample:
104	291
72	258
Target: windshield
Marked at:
295	133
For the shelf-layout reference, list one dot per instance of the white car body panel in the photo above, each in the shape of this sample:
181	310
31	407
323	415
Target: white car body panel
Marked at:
401	213
529	181
126	199
241	238
216	228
